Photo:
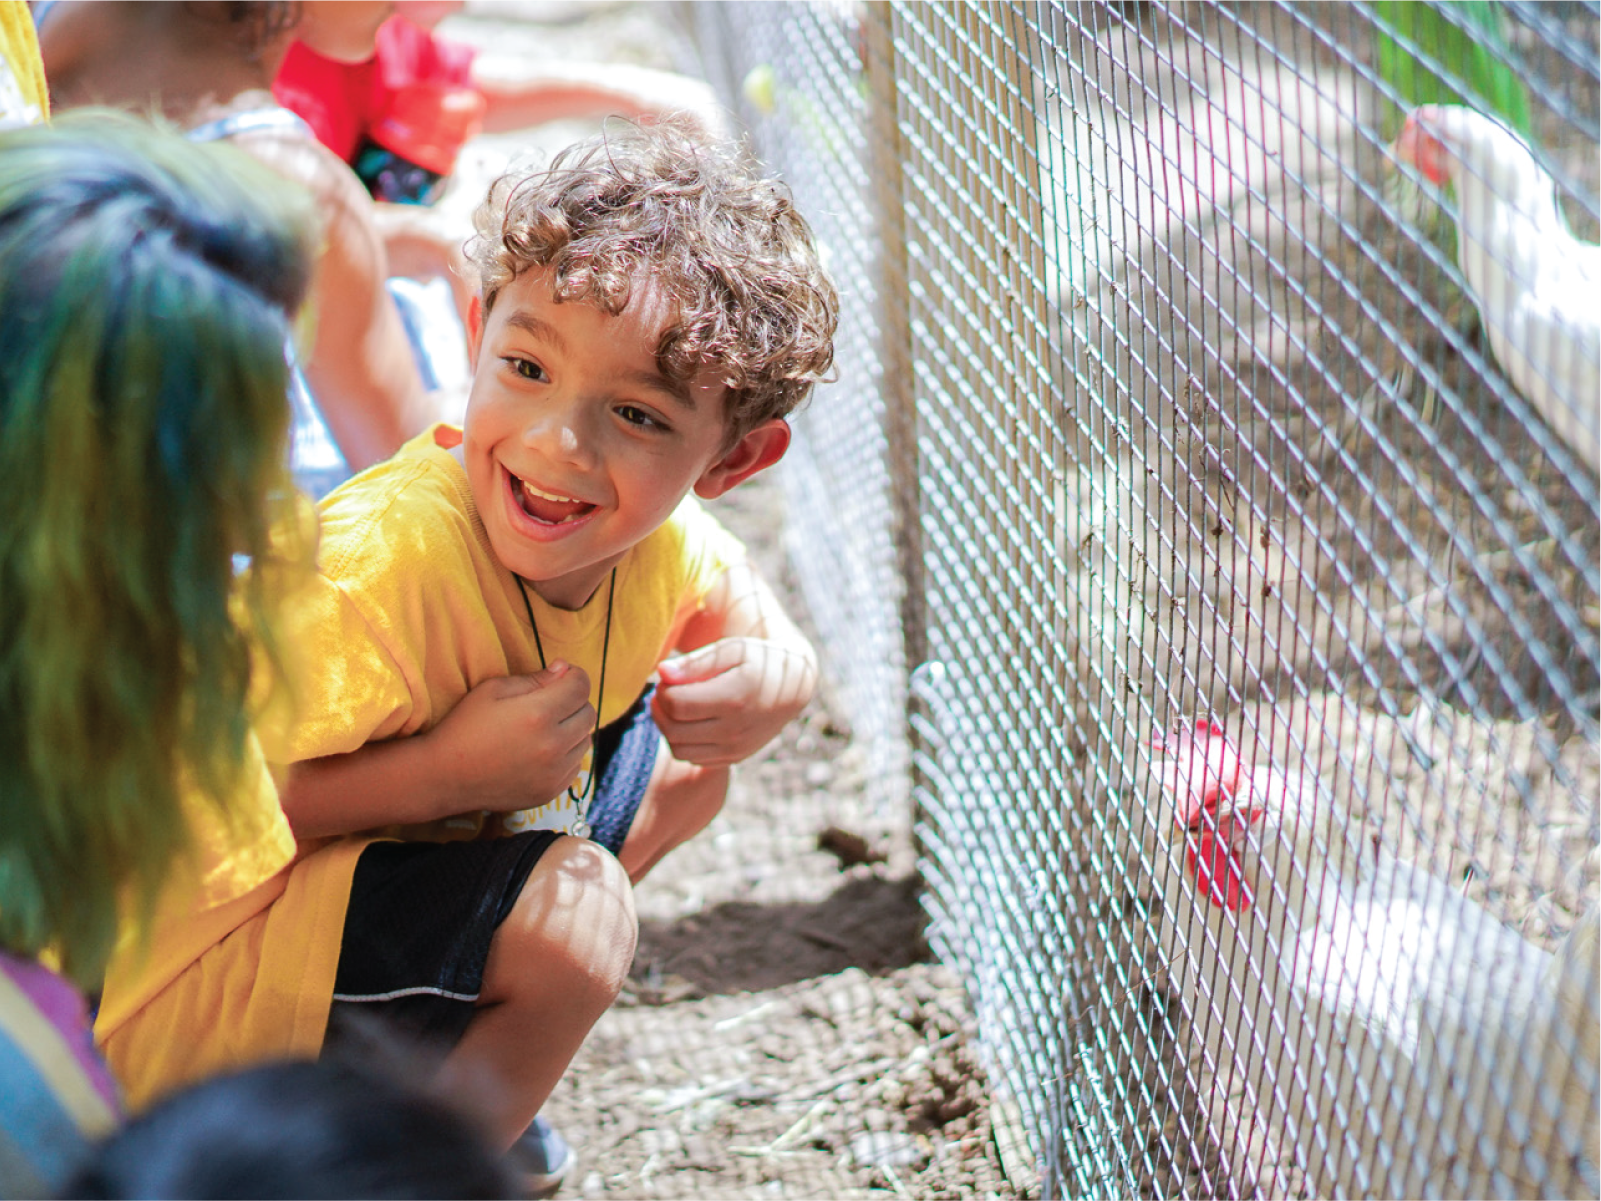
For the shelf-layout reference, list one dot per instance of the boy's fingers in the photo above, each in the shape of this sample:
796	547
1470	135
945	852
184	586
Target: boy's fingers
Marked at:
712	742
760	677
702	664
676	703
537	681
672	725
575	729
701	700
561	678
695	746
560	685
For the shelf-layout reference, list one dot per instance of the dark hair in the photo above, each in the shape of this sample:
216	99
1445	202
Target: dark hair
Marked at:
252	24
298	1129
727	245
146	288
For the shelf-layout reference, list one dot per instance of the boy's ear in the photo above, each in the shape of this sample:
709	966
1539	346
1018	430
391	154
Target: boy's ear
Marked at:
757	450
475	328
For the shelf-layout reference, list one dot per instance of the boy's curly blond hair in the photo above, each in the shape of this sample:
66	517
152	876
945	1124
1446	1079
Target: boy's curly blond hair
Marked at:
650	202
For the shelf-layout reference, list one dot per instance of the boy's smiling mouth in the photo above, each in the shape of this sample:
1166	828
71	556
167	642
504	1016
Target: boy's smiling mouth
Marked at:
547	508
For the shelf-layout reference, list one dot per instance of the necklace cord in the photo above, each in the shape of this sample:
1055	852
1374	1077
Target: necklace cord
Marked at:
579	799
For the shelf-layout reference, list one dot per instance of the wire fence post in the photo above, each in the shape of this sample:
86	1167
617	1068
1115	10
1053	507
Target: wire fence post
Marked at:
886	154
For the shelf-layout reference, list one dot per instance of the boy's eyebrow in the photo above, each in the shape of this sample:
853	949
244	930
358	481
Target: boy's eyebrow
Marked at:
658	382
530	324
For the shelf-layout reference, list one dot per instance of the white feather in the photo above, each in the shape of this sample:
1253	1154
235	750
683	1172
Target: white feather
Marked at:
1400	1040
1537	287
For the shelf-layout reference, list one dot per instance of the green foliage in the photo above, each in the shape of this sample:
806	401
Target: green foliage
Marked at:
143	288
1454	52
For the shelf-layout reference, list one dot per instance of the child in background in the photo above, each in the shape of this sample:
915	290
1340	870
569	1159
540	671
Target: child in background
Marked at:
401	117
146	287
207	66
299	1129
421	96
650	312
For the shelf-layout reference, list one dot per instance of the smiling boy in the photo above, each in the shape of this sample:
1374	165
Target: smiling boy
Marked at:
535	609
649	315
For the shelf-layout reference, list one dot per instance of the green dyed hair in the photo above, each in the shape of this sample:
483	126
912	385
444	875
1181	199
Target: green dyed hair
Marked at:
146	286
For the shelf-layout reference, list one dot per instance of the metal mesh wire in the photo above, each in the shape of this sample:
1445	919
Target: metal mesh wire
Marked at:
1179	379
841	485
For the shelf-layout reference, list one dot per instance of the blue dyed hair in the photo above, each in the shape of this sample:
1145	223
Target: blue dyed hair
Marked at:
146	286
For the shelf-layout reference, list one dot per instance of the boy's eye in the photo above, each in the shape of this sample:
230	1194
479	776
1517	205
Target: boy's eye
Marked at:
635	415
526	368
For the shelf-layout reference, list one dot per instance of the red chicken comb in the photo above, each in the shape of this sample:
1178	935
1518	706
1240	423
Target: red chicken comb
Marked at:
1419	144
1214	859
1201	768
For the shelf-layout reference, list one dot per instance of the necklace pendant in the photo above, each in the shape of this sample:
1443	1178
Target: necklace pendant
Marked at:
579	827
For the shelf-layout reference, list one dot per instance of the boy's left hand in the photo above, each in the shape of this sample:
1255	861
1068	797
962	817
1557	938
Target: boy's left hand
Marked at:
722	703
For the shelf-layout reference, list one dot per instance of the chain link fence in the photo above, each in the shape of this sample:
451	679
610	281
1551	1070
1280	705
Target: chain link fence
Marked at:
1203	530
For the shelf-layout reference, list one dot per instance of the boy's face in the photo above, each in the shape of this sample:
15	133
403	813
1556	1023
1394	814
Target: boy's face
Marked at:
576	446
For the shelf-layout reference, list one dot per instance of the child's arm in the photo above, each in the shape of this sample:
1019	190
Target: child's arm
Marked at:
360	365
510	743
558	91
748	672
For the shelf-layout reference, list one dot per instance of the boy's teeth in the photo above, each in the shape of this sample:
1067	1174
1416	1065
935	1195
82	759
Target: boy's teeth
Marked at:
549	507
533	491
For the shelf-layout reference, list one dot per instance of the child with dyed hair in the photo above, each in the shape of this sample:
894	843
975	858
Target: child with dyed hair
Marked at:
529	622
146	288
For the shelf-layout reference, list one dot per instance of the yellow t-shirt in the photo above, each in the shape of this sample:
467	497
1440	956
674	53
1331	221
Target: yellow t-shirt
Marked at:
412	609
200	996
409	611
24	99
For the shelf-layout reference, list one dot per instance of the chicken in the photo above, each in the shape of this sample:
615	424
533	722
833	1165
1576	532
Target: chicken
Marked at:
1535	284
1437	1051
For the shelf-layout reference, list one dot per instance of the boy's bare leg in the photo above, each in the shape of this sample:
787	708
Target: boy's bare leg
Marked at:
555	965
679	803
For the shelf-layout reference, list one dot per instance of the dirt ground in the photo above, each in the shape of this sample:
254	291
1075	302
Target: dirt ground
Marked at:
784	1032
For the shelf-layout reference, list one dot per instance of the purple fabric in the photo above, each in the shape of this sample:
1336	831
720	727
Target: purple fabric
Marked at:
64	1007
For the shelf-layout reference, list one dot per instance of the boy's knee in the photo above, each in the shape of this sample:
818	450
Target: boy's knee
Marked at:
573	925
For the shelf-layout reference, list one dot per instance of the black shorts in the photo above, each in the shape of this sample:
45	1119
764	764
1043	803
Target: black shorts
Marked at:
422	914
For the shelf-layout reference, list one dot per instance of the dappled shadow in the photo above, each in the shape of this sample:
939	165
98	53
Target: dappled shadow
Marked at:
869	922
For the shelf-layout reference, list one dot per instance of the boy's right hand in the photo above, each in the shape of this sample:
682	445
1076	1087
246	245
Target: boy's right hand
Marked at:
517	741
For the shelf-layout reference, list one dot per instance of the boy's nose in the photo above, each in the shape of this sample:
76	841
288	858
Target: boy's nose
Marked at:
558	431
